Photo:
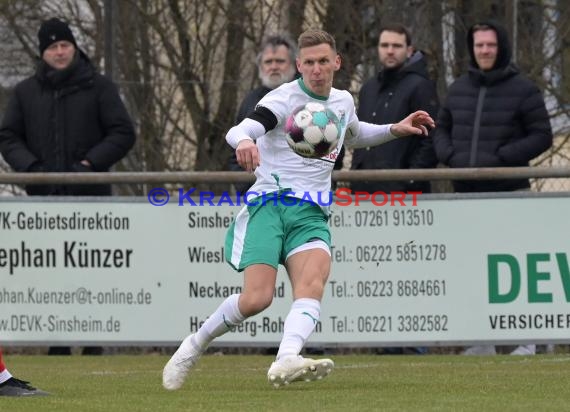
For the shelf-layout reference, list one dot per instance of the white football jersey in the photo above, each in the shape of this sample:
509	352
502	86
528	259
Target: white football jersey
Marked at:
280	167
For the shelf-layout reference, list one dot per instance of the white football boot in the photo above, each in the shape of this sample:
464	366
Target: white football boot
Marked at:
296	368
177	368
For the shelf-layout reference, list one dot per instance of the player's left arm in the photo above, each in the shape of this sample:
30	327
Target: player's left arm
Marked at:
362	134
415	123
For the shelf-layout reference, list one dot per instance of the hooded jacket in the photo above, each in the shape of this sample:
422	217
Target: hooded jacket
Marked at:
494	118
57	118
388	98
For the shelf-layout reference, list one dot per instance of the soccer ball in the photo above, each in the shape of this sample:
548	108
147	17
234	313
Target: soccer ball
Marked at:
313	131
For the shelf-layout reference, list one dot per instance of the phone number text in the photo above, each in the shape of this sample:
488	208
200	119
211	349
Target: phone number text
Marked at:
388	288
407	252
385	324
398	217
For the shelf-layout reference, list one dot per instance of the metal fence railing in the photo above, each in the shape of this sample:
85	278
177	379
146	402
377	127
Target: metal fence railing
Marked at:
543	179
236	177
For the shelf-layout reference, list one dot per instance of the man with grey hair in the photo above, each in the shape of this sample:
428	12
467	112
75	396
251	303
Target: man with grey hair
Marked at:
276	65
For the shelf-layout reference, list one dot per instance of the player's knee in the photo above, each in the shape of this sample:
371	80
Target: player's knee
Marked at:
318	282
252	305
311	289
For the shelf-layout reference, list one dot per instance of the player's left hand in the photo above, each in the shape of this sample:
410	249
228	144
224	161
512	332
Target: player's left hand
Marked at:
416	123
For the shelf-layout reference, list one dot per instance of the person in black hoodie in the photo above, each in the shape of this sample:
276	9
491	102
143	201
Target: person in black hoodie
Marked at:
493	116
401	87
65	118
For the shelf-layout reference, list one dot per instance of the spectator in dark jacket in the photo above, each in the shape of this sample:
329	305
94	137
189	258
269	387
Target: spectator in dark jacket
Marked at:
401	87
493	116
65	118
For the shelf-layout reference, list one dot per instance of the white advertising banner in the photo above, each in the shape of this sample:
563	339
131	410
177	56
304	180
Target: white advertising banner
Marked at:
445	271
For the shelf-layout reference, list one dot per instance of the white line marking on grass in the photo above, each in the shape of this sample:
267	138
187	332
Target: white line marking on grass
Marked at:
119	373
360	366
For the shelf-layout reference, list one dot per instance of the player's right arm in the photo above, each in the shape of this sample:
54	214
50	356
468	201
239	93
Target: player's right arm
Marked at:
241	137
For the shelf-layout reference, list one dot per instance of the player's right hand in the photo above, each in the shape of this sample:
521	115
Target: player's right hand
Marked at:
247	155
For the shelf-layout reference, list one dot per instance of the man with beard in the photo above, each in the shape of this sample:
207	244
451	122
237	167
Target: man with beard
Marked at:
275	65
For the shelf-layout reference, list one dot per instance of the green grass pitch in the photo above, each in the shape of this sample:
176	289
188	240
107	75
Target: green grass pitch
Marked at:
239	383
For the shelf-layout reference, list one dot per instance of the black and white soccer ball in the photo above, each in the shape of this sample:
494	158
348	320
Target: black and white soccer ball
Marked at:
313	130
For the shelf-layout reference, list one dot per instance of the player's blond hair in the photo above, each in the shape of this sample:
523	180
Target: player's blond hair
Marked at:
314	37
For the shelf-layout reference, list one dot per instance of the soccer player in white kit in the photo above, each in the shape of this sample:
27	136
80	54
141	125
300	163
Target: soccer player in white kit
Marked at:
294	234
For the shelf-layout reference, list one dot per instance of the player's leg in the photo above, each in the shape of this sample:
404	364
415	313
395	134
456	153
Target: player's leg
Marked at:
253	245
257	293
307	260
308	270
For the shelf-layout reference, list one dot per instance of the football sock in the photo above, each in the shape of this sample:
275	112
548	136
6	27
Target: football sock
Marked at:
299	325
226	317
4	374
